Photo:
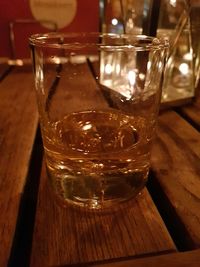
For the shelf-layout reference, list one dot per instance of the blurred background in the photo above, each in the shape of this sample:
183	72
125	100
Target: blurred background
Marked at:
177	20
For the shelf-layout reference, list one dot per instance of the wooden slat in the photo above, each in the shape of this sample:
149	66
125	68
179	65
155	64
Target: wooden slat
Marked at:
186	259
3	67
18	122
4	70
80	92
176	164
66	235
192	112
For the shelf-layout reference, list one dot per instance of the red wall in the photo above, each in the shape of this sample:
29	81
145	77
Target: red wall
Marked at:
87	19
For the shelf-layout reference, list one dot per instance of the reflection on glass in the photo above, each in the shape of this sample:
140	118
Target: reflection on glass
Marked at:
195	26
174	23
178	21
123	16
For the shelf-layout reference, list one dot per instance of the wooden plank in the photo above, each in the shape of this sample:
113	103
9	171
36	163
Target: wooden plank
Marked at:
4	70
192	113
186	259
18	123
75	92
176	165
67	235
175	103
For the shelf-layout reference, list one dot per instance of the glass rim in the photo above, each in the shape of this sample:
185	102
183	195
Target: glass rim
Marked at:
42	40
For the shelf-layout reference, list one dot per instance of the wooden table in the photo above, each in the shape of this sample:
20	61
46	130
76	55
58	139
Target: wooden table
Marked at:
161	227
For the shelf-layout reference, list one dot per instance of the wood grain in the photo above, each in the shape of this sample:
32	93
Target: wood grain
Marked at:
134	229
18	122
176	165
4	70
67	235
192	113
186	259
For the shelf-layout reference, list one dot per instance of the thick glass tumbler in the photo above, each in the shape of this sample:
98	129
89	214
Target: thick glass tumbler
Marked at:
98	97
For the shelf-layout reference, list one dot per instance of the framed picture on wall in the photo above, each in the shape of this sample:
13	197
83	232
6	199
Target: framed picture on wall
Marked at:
21	18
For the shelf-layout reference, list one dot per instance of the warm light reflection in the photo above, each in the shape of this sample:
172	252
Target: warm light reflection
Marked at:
173	3
87	126
118	68
40	78
57	60
108	69
188	56
142	76
149	65
17	62
114	21
160	64
184	68
131	77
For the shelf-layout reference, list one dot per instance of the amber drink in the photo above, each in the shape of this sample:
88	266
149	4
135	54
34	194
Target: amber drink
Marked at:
98	99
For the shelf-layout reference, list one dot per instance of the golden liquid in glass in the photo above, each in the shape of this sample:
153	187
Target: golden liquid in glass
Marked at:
97	158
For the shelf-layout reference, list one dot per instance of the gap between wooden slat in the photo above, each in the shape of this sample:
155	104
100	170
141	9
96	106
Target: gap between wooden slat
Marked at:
167	212
5	72
190	114
171	202
22	242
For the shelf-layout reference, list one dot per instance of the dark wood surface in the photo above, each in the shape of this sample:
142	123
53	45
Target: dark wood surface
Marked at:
18	123
176	166
186	259
161	226
65	235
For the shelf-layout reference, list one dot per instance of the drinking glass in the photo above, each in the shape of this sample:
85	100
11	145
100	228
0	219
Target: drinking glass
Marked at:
98	97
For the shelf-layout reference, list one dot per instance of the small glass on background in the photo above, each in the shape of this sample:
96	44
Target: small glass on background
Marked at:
98	98
175	23
177	20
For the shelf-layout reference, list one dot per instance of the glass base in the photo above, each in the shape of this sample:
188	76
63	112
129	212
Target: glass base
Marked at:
97	193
